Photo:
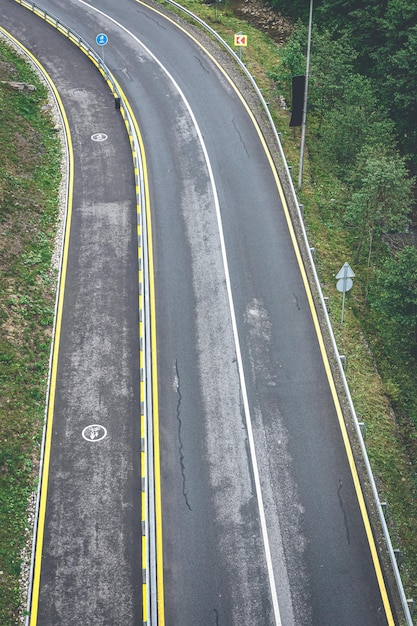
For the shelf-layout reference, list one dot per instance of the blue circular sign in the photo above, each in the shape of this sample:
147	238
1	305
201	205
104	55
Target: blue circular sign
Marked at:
102	39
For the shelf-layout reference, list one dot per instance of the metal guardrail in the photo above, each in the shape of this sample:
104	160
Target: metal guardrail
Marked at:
148	523
393	559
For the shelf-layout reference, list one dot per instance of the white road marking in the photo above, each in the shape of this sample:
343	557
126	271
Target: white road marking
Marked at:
99	137
94	432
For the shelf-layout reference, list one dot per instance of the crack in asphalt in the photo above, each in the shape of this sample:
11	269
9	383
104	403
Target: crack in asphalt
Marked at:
296	301
180	443
240	137
203	67
343	510
151	19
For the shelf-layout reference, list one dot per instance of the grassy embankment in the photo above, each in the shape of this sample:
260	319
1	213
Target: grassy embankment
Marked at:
374	377
30	156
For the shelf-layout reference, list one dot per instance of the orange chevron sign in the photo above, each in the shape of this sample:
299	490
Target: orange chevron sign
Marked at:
241	40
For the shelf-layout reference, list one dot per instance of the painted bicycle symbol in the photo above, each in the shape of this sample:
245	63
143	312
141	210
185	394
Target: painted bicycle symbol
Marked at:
94	432
99	137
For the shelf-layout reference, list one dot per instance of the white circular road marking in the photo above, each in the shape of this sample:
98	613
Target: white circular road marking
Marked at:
94	432
99	137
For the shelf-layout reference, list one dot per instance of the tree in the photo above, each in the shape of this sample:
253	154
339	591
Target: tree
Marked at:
381	202
396	291
354	121
384	35
342	100
292	60
396	66
332	65
360	20
295	9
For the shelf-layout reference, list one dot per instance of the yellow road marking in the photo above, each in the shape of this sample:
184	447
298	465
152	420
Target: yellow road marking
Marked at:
154	365
54	366
348	448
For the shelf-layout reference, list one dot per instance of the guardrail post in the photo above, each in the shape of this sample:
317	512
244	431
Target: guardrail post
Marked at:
398	555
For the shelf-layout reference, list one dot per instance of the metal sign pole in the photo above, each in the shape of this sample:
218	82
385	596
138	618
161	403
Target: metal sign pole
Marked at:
344	283
101	41
344	293
303	125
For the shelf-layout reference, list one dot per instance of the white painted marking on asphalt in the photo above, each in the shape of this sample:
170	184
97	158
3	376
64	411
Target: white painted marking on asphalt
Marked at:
99	137
94	432
80	92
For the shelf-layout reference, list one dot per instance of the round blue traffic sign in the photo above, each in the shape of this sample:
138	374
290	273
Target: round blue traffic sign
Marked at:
102	39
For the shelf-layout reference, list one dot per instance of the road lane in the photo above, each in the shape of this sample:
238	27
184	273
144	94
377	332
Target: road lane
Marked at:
321	556
91	559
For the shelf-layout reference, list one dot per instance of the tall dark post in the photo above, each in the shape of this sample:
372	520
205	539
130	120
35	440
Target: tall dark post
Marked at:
303	126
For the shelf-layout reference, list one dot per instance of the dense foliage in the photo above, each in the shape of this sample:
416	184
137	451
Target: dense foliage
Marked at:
356	136
384	37
397	289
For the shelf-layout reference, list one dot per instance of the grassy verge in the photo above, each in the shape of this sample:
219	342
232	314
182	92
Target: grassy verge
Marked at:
29	182
379	378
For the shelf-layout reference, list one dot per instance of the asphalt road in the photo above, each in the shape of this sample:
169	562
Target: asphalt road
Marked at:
215	557
91	560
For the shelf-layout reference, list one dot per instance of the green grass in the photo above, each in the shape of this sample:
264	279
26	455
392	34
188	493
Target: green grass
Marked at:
380	376
29	181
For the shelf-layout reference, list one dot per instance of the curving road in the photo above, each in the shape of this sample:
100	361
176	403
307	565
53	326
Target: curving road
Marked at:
262	515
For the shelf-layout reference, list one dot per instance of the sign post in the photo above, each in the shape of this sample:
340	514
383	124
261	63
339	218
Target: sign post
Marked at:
344	283
101	41
240	41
